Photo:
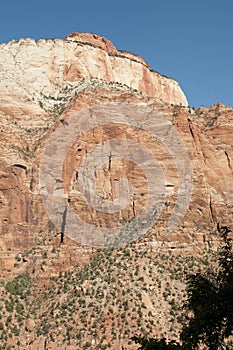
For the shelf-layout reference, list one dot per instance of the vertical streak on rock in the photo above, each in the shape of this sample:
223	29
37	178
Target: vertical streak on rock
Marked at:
211	210
45	344
109	161
228	160
134	214
63	225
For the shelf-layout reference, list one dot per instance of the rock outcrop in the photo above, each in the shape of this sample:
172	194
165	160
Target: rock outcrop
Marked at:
42	85
50	70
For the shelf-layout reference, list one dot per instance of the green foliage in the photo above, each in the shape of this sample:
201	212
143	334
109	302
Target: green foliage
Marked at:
210	301
210	298
19	285
154	344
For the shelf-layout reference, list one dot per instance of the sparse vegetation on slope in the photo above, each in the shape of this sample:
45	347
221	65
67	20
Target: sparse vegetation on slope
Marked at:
209	304
119	294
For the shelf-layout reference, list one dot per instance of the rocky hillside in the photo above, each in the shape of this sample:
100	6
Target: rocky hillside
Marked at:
98	150
120	293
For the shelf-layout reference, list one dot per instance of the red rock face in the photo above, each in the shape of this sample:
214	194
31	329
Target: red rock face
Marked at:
48	82
95	40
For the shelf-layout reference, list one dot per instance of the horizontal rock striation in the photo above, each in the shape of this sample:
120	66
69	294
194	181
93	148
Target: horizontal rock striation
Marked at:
43	84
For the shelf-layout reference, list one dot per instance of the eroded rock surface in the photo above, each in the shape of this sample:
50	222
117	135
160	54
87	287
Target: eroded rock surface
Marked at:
43	84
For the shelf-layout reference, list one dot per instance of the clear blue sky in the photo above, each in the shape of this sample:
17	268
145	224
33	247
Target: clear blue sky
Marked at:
188	40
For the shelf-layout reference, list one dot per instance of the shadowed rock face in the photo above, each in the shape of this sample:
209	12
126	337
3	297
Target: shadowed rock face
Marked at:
43	84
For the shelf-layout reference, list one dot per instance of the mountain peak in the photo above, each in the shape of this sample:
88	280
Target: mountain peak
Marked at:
94	39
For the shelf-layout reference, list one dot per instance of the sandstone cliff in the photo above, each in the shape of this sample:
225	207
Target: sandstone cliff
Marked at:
83	93
43	84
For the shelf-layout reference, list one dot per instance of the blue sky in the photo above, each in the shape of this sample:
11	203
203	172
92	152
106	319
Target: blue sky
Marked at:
190	41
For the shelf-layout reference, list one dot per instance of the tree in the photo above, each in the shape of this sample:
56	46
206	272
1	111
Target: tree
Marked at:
210	299
210	302
155	344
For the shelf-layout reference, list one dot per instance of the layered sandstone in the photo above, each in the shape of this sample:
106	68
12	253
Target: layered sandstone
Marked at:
48	71
43	84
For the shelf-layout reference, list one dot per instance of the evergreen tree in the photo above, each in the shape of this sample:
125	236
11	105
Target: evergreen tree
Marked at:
210	298
210	301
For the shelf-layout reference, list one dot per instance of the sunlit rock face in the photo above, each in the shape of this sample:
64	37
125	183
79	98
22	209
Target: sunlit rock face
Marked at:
42	85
